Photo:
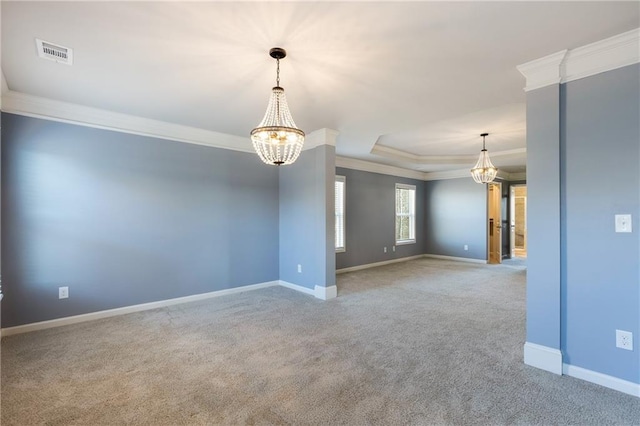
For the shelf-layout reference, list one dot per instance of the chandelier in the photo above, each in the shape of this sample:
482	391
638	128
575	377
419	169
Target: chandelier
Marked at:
277	140
484	171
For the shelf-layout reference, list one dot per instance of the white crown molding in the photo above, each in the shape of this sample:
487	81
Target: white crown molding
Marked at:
392	153
449	174
49	109
320	137
605	55
595	58
4	88
544	71
367	166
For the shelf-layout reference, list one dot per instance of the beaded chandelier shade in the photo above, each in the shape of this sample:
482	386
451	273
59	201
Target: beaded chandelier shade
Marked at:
277	140
484	171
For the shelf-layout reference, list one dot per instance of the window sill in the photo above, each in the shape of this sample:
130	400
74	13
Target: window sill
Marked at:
405	242
341	250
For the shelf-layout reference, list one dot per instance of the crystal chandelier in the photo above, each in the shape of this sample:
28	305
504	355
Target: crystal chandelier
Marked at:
277	140
484	171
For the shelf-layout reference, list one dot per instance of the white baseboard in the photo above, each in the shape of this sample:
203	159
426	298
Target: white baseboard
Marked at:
319	292
376	264
42	325
297	287
456	259
543	357
610	382
323	293
326	293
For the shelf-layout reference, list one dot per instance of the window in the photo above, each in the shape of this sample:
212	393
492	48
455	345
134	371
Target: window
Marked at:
405	214
340	186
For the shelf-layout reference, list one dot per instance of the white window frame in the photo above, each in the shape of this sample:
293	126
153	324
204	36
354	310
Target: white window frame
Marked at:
343	218
411	214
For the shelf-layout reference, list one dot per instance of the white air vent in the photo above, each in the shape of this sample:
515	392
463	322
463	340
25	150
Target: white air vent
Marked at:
54	52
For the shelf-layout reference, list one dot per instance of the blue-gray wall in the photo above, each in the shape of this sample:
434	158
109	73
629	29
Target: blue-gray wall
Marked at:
600	118
455	216
543	217
307	219
583	168
124	219
370	219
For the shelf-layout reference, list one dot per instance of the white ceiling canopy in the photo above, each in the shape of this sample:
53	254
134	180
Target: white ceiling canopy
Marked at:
410	84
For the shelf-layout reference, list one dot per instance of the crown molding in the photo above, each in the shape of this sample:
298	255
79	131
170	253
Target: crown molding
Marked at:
544	71
595	58
4	88
319	137
49	109
605	55
396	154
449	174
368	166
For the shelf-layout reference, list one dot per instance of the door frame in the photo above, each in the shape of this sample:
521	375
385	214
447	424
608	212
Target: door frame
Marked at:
494	203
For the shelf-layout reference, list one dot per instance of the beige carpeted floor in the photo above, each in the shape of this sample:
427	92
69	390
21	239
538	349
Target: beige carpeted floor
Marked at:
422	342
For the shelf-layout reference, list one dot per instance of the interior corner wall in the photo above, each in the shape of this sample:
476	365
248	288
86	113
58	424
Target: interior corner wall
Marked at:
543	217
370	219
455	216
601	178
123	219
307	219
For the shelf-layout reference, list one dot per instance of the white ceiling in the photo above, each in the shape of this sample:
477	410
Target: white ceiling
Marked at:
411	84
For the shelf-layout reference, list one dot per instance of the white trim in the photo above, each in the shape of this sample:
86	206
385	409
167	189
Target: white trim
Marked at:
393	153
456	259
376	264
320	137
49	109
42	325
595	58
543	357
605	55
297	287
610	382
326	293
368	166
319	292
449	174
544	71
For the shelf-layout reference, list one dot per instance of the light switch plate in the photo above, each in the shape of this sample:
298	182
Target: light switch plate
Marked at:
623	223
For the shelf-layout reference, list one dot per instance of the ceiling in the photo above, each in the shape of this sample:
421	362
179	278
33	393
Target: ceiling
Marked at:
410	84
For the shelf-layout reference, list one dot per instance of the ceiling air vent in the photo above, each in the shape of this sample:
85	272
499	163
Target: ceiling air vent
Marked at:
54	52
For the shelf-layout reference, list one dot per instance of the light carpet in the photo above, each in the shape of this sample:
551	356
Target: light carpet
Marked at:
422	342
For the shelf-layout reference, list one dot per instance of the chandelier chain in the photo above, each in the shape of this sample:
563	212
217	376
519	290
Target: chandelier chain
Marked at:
278	72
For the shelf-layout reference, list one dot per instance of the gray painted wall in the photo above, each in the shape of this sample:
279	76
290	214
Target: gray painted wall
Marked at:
307	219
370	218
543	217
601	168
124	219
455	215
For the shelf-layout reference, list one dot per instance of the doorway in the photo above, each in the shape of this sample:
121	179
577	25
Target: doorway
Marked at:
518	220
494	226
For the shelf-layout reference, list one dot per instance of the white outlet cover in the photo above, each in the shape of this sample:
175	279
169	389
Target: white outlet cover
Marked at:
623	223
63	292
624	340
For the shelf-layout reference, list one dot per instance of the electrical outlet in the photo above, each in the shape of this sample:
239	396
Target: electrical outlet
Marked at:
466	247
624	340
384	250
63	292
393	248
299	268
